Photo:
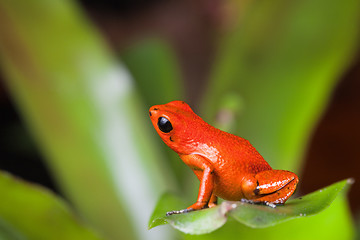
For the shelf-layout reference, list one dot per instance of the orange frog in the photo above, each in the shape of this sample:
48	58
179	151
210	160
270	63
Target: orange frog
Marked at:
227	166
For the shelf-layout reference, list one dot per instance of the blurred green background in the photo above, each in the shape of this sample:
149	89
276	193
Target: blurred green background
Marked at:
78	77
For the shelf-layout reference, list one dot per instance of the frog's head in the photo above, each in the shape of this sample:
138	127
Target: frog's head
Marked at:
177	125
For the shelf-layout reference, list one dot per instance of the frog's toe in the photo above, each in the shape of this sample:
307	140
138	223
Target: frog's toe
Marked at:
179	211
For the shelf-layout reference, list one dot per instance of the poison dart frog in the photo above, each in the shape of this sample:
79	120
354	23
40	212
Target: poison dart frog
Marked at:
227	166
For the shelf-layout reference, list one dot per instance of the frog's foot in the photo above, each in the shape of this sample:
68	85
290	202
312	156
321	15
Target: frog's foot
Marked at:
270	187
272	205
244	200
198	206
179	211
194	207
213	201
211	205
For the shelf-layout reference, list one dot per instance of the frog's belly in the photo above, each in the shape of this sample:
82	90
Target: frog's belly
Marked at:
228	186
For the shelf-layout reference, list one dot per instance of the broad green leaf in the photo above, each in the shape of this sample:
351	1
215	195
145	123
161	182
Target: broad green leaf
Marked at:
255	216
166	203
276	70
81	106
334	223
198	222
28	211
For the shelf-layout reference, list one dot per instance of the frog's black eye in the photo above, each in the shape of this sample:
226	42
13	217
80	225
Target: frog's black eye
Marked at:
164	125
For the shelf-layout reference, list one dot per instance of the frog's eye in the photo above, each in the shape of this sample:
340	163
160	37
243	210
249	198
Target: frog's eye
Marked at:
164	125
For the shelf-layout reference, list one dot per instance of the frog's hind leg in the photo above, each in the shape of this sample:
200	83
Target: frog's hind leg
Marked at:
271	186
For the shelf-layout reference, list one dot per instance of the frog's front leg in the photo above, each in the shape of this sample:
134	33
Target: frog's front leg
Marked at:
271	186
205	172
206	188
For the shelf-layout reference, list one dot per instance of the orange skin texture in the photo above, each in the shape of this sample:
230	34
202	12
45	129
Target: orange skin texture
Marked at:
227	166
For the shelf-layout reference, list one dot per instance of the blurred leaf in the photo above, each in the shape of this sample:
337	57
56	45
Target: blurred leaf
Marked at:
357	222
28	211
81	106
281	63
255	216
156	71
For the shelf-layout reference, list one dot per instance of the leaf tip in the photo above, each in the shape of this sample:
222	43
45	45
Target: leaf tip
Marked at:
350	181
156	222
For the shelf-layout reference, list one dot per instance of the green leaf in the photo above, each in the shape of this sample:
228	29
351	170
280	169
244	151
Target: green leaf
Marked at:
28	211
166	203
255	216
334	223
280	65
262	216
198	222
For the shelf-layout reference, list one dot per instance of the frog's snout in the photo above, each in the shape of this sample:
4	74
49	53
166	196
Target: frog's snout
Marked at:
153	110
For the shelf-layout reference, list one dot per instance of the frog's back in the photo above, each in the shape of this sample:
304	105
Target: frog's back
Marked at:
239	154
